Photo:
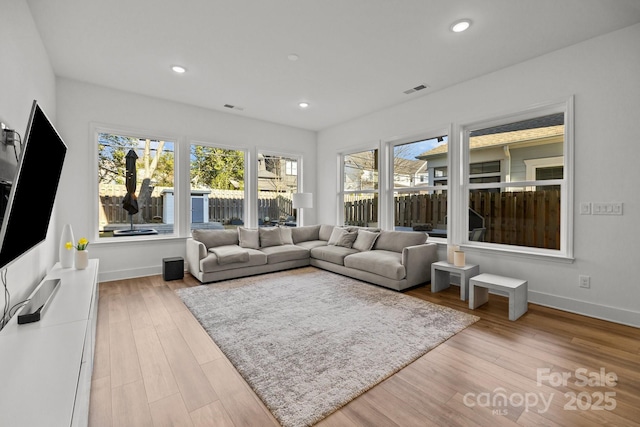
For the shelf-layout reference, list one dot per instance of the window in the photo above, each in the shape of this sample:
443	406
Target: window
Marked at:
291	167
277	181
217	177
134	174
417	203
360	190
520	195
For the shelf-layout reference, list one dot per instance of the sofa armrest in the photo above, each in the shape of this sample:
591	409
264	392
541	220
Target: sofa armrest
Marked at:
417	262
195	252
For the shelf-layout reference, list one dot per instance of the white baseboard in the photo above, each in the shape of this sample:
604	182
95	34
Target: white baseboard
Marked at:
611	314
110	276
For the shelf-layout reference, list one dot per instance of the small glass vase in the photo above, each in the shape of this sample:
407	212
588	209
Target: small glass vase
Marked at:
82	259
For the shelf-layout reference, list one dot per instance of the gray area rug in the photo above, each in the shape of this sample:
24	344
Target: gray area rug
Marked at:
309	341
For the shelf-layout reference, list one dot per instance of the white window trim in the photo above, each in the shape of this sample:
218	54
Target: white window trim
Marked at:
533	164
94	130
299	169
566	210
340	193
388	215
186	180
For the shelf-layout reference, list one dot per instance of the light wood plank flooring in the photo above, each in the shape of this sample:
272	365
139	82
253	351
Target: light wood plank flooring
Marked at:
155	366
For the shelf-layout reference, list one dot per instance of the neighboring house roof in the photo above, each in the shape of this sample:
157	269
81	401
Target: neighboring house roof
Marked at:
499	139
408	166
532	130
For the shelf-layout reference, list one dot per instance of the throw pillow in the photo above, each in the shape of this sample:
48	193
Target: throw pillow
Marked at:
270	237
248	238
347	239
335	235
365	240
286	236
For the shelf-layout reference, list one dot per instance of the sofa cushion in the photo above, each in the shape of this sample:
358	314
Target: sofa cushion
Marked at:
286	236
397	240
282	253
270	236
333	254
383	263
230	254
365	240
210	262
249	238
336	235
213	238
325	232
312	244
346	239
305	233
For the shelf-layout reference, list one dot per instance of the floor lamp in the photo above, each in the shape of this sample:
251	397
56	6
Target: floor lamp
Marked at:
301	201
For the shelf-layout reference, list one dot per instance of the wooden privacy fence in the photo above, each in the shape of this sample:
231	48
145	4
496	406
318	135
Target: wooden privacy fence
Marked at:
114	214
223	208
523	218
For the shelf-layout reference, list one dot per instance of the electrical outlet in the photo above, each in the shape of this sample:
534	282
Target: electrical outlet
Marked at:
585	281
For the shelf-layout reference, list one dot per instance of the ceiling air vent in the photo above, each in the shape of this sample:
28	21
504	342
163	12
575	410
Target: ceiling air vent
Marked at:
415	89
233	107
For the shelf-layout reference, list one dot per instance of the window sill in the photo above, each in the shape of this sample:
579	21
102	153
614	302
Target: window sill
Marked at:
513	252
137	239
520	253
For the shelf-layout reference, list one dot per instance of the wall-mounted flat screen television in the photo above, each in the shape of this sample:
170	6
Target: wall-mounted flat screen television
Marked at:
29	176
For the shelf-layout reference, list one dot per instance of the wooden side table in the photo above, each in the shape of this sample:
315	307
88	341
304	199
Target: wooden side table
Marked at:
441	276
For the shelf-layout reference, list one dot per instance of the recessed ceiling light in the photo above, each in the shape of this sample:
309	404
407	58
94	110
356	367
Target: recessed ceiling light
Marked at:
303	105
178	69
460	25
292	57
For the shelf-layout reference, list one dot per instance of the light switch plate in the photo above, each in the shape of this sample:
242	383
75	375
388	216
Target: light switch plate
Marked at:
585	208
614	208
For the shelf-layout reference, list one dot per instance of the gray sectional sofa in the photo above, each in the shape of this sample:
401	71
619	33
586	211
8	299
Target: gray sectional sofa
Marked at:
394	259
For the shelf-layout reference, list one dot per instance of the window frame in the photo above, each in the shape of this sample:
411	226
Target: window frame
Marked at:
566	183
341	192
388	218
186	200
97	128
299	159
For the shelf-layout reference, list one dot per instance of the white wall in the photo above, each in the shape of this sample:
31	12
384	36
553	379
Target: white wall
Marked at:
81	104
603	74
25	75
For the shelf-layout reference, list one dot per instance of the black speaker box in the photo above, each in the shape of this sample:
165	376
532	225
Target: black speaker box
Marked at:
172	268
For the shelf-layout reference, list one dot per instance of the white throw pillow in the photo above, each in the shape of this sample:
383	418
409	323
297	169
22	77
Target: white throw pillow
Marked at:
286	235
347	239
365	240
335	236
270	236
342	237
248	238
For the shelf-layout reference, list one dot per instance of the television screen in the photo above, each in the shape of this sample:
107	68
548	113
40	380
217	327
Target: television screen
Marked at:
29	186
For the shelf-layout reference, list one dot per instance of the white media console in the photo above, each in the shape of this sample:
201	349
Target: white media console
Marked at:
46	366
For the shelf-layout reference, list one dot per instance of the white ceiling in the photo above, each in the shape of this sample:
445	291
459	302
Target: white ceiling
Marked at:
355	56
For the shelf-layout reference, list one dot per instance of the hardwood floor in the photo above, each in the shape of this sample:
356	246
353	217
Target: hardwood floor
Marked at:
155	366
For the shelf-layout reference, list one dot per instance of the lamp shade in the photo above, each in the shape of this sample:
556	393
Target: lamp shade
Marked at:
302	200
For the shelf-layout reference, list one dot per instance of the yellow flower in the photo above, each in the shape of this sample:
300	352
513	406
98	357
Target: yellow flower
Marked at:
82	244
68	245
